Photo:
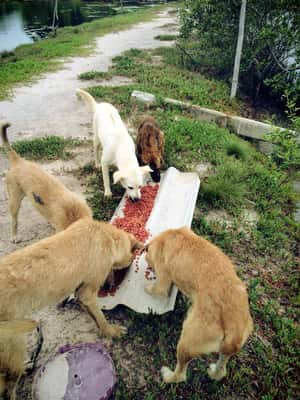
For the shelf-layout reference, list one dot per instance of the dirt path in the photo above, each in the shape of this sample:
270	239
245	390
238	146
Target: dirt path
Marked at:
50	107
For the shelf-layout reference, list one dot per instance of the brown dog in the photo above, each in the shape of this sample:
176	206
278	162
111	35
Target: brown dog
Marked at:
150	146
218	320
51	198
78	260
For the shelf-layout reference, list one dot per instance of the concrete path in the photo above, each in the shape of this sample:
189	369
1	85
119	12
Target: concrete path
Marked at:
50	107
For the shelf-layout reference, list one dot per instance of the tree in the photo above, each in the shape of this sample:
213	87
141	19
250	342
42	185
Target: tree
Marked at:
238	54
270	62
55	18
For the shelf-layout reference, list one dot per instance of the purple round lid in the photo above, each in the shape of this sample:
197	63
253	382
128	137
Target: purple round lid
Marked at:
77	372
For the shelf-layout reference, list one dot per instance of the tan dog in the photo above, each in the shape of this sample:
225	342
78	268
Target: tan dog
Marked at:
218	320
51	198
150	146
78	259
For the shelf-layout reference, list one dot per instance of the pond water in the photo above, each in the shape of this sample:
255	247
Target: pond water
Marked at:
30	20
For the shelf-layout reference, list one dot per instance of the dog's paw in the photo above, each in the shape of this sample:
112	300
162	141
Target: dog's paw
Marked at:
215	374
116	330
170	377
108	194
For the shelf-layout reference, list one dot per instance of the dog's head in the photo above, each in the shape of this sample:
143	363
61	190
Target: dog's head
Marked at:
155	174
132	180
127	245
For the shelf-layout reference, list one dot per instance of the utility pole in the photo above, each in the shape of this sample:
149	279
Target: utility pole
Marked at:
55	18
238	53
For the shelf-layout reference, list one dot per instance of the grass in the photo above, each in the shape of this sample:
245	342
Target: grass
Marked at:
102	208
45	148
172	81
266	255
86	76
28	62
166	37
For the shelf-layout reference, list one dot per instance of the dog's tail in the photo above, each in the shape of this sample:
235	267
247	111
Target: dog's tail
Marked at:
87	98
13	156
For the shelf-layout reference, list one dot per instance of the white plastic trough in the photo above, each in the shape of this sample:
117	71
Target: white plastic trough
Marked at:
173	208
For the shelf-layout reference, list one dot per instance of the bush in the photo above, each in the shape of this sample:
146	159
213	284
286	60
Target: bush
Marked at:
271	51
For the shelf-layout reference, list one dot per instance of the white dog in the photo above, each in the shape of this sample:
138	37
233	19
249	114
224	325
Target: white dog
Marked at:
117	148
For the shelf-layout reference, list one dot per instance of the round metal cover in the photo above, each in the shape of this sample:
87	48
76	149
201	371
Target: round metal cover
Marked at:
77	372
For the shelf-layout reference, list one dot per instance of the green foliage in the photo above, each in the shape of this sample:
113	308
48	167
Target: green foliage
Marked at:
166	37
86	76
119	94
286	152
169	81
46	148
271	49
215	232
237	150
227	188
103	208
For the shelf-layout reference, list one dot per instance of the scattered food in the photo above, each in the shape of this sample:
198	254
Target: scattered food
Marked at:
136	215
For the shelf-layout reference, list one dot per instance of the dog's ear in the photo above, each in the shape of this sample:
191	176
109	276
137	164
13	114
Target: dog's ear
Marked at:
117	176
146	169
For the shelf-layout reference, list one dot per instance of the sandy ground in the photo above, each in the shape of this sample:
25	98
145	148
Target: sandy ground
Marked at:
50	107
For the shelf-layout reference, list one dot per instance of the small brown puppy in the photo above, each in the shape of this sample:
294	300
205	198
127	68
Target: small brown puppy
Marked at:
78	259
51	198
150	146
218	320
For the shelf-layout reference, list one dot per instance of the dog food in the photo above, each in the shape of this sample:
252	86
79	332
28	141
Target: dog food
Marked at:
136	215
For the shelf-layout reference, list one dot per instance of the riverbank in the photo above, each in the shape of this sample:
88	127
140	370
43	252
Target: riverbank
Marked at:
27	62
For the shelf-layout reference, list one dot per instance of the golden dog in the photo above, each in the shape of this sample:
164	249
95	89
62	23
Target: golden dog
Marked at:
51	198
218	320
78	259
150	146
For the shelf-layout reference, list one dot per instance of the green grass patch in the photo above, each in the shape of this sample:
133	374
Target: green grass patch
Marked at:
170	81
166	37
28	62
45	148
86	76
102	207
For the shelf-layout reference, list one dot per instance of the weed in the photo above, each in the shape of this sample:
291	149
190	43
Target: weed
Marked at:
227	188
94	75
237	150
170	81
45	148
166	37
103	208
